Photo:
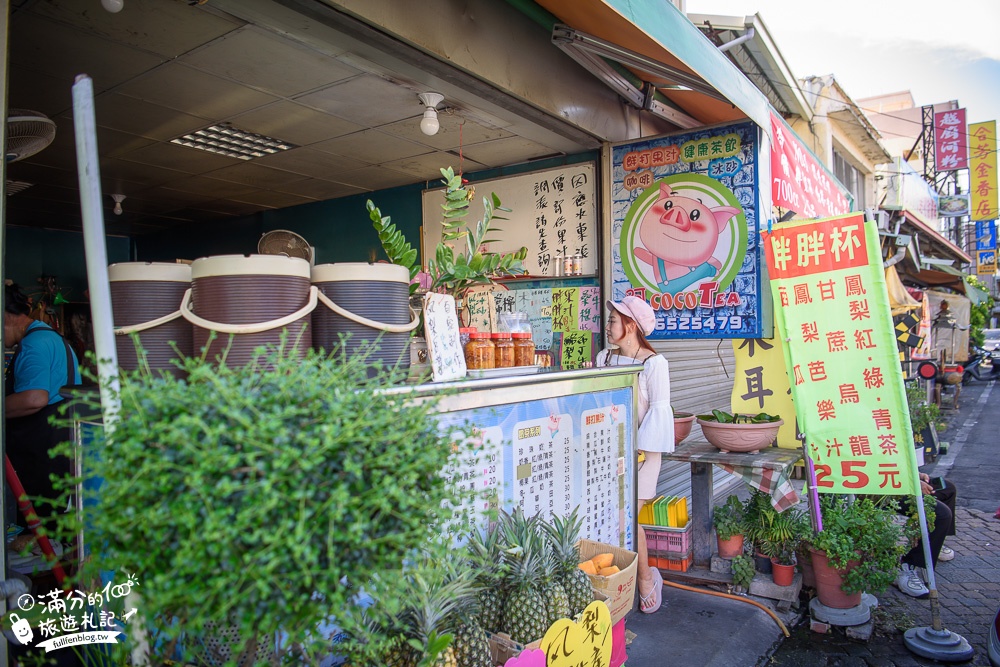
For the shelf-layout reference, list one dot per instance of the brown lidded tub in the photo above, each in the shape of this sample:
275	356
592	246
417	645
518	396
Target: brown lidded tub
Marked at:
141	293
374	305
254	293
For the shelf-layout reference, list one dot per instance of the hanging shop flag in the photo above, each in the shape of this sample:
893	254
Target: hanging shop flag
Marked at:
840	350
685	212
951	144
986	264
983	170
762	384
799	181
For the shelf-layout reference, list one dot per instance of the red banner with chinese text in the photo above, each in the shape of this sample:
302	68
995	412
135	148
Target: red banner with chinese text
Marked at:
799	182
951	141
840	350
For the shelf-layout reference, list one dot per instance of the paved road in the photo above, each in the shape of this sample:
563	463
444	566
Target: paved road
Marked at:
973	458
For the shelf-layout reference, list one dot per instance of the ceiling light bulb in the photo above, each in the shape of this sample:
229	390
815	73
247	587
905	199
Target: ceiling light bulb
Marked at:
113	6
429	124
118	203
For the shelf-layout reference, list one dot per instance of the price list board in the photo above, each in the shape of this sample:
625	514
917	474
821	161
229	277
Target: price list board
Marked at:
549	456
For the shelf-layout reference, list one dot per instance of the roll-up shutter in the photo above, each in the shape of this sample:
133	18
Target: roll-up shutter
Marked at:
698	383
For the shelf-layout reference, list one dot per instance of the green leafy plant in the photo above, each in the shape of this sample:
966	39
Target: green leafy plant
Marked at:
728	518
863	533
743	571
454	273
265	498
922	413
396	247
979	314
727	418
782	535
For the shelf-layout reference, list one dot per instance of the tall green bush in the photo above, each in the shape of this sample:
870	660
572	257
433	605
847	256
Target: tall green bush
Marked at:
265	498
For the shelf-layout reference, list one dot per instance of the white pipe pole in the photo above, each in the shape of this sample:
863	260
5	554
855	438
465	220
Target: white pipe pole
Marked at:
94	243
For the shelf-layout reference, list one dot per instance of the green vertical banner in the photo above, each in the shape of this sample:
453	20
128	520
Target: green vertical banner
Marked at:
830	297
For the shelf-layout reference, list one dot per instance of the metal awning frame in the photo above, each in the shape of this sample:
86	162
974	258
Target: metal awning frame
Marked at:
592	53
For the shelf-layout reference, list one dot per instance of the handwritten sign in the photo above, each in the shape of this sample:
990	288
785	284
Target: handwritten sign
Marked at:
479	309
569	644
537	303
590	309
553	212
531	657
565	308
444	347
576	349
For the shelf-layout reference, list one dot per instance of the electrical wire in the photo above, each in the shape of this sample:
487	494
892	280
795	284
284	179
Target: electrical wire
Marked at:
770	613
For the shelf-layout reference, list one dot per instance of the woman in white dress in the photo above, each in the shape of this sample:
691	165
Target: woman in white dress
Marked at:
629	322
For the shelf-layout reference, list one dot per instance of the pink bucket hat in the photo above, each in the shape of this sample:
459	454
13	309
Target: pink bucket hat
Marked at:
638	310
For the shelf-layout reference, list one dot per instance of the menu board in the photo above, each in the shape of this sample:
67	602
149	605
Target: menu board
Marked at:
550	456
552	212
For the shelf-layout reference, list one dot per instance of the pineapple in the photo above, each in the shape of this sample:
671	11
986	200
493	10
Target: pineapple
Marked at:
434	601
553	592
472	646
562	535
488	564
524	615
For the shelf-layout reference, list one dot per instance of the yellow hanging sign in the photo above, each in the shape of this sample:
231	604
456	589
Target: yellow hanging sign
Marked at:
569	644
762	383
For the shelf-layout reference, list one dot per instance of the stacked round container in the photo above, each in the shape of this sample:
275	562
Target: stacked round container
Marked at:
251	300
146	300
367	303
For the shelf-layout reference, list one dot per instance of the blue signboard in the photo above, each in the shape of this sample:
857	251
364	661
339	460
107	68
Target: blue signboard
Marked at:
684	231
986	235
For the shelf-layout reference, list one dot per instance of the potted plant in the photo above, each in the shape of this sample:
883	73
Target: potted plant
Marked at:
452	272
683	422
262	499
740	433
779	541
743	572
758	513
728	520
858	549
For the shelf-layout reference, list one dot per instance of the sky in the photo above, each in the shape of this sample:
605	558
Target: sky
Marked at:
939	51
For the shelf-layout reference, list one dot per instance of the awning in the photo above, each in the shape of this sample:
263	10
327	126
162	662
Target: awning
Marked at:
659	31
948	277
935	237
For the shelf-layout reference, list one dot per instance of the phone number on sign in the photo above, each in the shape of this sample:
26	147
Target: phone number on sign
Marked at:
719	323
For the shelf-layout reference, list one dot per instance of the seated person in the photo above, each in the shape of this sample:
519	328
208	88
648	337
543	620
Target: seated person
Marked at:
909	580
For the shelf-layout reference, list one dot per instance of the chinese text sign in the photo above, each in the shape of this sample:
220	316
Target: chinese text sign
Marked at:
951	144
799	182
983	170
840	348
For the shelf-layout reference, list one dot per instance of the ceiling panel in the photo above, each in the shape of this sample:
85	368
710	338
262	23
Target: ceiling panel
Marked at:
268	62
293	122
257	175
309	162
165	28
369	97
162	68
372	146
179	158
33	41
192	91
319	189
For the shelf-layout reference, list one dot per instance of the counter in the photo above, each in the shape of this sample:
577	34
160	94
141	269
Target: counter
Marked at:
548	442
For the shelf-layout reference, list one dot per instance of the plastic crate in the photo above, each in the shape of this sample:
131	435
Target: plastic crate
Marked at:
668	541
678	564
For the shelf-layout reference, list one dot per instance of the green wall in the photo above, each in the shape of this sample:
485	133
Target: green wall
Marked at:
339	228
32	252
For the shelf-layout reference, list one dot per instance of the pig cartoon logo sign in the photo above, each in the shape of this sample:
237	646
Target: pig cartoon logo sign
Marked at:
683	230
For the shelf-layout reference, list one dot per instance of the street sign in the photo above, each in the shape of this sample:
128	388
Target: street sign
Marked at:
986	235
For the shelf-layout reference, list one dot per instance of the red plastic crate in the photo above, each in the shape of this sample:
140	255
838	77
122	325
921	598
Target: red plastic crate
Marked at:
676	564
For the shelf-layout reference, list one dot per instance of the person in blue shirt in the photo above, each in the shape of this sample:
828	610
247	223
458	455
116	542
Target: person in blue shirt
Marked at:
43	363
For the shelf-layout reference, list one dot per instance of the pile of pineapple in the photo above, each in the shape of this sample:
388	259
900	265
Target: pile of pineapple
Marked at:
518	578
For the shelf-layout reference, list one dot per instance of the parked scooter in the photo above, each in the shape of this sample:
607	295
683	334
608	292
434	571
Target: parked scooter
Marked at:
982	365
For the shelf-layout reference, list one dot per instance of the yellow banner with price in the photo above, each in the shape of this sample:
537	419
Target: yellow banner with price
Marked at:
840	352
